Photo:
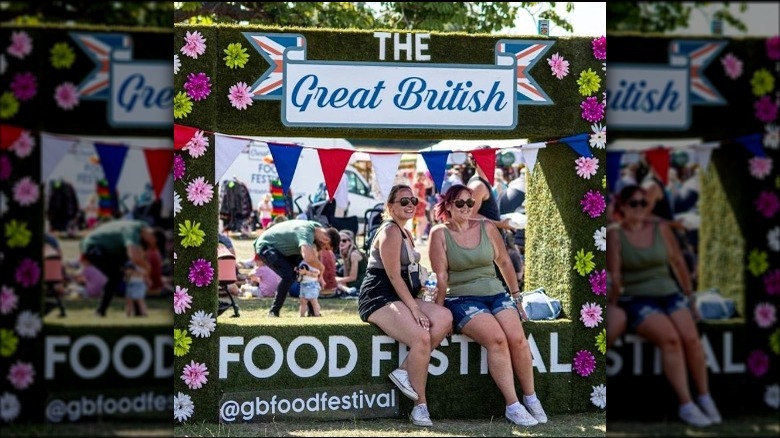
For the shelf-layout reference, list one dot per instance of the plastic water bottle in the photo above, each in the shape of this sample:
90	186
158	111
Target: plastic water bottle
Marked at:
430	287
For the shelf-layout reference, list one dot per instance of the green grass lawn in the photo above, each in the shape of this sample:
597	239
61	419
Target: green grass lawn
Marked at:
81	312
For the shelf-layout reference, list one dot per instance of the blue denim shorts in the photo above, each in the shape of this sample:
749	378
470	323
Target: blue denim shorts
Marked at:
464	308
639	308
135	290
310	290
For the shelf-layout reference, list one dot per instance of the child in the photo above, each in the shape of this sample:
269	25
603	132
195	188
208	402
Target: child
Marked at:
311	283
137	283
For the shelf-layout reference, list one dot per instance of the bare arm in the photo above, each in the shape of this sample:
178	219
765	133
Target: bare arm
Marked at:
137	255
613	264
676	259
437	251
502	260
481	194
354	258
311	257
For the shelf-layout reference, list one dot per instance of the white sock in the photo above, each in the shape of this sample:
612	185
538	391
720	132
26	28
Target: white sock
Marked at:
530	398
704	399
514	407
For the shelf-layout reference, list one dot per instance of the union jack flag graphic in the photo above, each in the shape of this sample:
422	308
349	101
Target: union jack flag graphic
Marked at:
272	47
100	47
700	54
526	54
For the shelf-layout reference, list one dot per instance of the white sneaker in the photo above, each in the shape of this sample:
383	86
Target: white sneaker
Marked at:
401	379
692	415
711	411
536	410
520	417
420	416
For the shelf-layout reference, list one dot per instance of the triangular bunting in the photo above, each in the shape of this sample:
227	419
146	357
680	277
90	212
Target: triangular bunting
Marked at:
658	160
703	153
53	150
529	158
286	161
181	135
486	160
753	143
159	163
226	149
613	168
579	144
437	166
385	167
112	159
333	163
8	135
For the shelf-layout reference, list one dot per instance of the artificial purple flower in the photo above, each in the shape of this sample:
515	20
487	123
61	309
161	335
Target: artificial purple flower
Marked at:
773	48
28	273
758	363
240	96
593	203
178	167
766	109
198	86
21	45
21	375
592	110
66	95
181	300
584	363
600	48
772	282
26	192
194	375
5	167
24	86
590	315
194	44
598	282
765	315
767	203
201	272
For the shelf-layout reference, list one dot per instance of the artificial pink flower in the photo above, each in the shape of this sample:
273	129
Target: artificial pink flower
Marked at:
760	167
598	282
199	191
590	315
194	375
5	167
201	272
21	375
198	86
24	86
66	95
558	66
758	363
181	300
765	315
21	44
26	192
197	145
732	66
766	109
767	203
592	110
24	145
772	282
584	363
178	167
239	96
593	203
194	44
600	48
28	273
8	300
586	167
773	48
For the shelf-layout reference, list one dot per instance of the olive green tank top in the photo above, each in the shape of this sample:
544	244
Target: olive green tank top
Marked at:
471	270
646	270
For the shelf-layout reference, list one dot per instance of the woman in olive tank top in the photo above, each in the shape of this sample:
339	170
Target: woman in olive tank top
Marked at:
639	253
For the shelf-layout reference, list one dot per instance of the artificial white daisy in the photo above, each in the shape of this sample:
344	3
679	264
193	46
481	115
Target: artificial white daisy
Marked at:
183	407
598	139
28	324
600	239
9	407
202	324
599	396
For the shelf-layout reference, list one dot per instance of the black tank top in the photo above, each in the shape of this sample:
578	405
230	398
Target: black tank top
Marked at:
489	208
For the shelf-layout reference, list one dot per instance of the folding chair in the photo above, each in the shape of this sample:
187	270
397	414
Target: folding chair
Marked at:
226	267
52	275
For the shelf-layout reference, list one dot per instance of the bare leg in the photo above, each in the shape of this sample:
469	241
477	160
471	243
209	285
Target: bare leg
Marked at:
519	350
616	323
485	329
658	329
302	306
396	321
694	352
315	304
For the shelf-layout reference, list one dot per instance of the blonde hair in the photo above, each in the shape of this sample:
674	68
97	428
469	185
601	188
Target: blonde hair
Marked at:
391	198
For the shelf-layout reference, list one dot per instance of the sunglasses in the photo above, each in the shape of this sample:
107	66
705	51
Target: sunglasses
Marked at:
345	240
459	203
406	200
634	203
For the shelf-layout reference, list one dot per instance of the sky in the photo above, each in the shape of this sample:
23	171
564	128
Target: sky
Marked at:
762	19
588	19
